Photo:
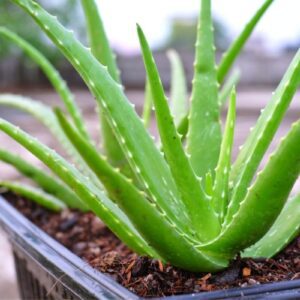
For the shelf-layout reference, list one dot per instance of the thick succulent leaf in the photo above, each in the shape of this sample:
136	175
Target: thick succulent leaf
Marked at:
264	200
178	87
148	102
101	49
221	190
148	163
183	127
54	77
283	231
48	201
100	46
42	113
45	181
209	184
231	82
94	198
172	246
204	119
112	148
202	216
235	49
45	115
97	163
261	136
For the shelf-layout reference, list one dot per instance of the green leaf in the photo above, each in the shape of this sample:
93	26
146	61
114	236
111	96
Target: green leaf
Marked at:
264	200
172	246
101	49
209	184
204	119
176	247
178	87
40	112
183	127
47	182
54	77
119	188
45	115
283	231
100	46
147	105
261	136
98	164
34	194
224	94
202	216
149	165
237	46
221	191
90	194
228	86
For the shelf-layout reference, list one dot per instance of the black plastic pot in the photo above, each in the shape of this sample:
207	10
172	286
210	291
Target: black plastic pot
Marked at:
47	270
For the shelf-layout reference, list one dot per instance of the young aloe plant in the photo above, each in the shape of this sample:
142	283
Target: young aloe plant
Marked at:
182	202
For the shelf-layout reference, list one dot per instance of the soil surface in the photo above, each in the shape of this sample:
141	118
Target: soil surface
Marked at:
85	235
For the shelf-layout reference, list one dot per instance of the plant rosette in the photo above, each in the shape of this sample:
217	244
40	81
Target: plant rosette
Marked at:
180	201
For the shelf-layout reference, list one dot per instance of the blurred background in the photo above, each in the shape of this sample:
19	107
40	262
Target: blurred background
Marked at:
171	24
167	24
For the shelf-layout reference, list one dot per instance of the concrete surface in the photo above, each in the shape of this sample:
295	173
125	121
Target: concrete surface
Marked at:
8	289
249	105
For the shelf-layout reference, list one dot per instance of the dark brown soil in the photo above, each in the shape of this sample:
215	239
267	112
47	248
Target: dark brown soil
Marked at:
85	235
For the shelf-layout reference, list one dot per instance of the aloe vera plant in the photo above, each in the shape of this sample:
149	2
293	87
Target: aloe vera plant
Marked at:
182	201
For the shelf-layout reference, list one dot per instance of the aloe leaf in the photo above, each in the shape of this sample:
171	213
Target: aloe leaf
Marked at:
283	231
172	246
228	86
176	247
47	182
48	201
149	164
264	200
209	184
40	112
204	119
194	198
261	136
235	49
147	105
54	77
98	164
100	46
90	194
178	87
221	191
45	115
183	127
125	193
101	49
